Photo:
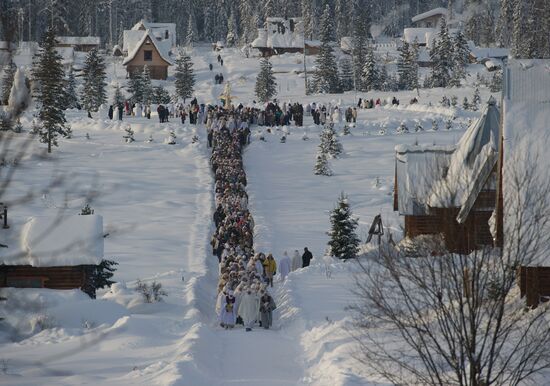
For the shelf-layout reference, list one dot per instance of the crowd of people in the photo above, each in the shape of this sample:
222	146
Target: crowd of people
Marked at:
244	276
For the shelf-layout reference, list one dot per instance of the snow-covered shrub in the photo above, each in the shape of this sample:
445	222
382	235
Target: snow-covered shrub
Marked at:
171	140
129	137
151	293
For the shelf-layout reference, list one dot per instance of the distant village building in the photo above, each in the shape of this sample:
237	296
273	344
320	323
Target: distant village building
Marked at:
431	18
147	52
56	253
451	191
149	44
79	43
284	35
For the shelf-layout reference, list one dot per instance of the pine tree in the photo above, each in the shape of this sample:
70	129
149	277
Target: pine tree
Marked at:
404	66
102	273
307	17
344	243
326	79
358	41
346	75
441	56
118	98
322	166
192	34
266	87
93	73
160	95
7	82
48	73
71	97
496	82
147	85
231	38
466	104
371	76
329	144
185	78
460	59
135	87
476	101
129	136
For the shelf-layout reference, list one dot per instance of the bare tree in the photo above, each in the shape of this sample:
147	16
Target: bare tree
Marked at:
456	319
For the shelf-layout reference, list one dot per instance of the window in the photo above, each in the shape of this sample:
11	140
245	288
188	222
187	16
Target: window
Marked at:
148	55
166	34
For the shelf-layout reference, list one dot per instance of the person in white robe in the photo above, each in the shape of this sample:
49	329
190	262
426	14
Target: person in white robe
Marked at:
249	308
296	260
285	266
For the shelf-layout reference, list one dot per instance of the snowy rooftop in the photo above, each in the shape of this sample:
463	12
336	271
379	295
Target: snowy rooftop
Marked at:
159	30
471	164
421	35
280	33
163	47
417	167
79	40
487	52
433	12
58	241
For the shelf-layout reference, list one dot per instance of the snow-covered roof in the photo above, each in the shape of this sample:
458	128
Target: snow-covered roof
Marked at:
433	12
279	32
421	35
417	167
493	64
163	48
159	30
67	54
79	40
58	241
471	164
487	52
346	44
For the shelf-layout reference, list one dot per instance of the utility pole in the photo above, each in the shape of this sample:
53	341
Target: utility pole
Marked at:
305	67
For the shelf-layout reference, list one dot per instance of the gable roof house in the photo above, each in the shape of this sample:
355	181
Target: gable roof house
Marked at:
284	35
148	51
452	191
56	253
431	18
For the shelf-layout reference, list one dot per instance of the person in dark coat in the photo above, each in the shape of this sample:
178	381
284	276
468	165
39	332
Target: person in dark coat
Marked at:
111	112
217	79
160	111
267	305
306	258
120	111
210	66
221	62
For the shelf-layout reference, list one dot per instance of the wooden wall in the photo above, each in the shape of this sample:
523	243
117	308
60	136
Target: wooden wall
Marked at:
534	284
68	277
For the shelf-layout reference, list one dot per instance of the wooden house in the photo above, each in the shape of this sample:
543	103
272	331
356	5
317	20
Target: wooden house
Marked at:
148	52
451	191
79	43
284	35
430	19
55	253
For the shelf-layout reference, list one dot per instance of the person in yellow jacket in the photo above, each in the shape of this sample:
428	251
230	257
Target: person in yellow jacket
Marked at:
270	269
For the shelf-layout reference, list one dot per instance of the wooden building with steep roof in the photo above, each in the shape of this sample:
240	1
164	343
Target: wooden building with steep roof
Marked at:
148	52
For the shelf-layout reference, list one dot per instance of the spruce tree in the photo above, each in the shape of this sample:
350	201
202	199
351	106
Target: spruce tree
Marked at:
129	136
93	74
192	34
160	95
358	41
266	87
147	85
118	97
476	100
231	38
185	78
102	273
404	67
371	76
7	82
48	73
329	144
71	97
326	79
346	75
135	87
460	59
441	56
344	243
322	166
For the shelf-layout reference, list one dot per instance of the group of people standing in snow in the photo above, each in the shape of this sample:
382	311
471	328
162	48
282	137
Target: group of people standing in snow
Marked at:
244	276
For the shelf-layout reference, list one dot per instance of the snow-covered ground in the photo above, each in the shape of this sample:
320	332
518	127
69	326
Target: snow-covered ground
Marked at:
157	201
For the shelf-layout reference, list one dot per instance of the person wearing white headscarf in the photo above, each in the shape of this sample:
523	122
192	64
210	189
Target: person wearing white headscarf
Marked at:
296	260
228	314
285	266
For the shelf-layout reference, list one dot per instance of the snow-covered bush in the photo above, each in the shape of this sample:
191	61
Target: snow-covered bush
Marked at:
151	293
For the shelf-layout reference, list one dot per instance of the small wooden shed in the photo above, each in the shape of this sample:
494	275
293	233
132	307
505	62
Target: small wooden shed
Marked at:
56	253
451	190
148	52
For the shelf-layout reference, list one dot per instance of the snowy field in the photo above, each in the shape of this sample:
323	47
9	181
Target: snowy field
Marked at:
157	204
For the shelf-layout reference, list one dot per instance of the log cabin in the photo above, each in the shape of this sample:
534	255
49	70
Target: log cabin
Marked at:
148	52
